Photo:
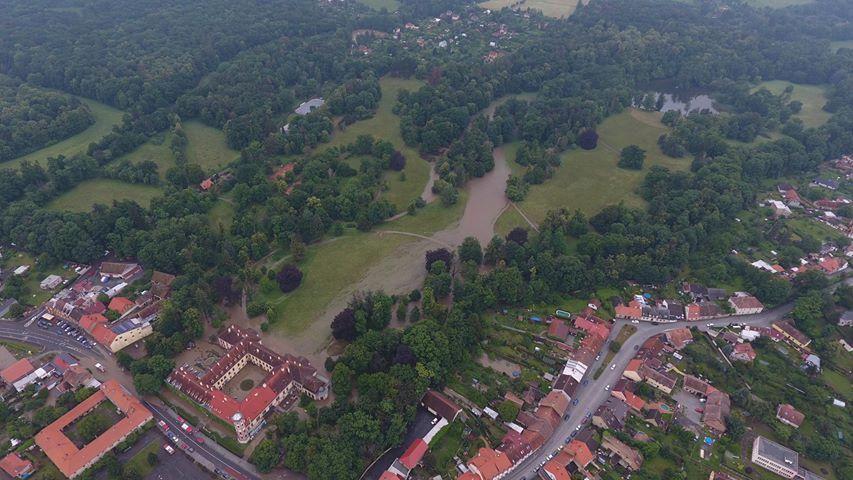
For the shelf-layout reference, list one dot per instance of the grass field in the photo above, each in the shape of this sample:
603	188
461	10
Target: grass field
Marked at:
156	150
812	96
221	214
101	190
207	146
105	118
550	8
330	267
38	271
589	180
139	461
813	228
390	5
835	46
838	382
777	3
386	125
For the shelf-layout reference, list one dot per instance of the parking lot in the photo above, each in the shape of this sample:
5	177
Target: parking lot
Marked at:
72	331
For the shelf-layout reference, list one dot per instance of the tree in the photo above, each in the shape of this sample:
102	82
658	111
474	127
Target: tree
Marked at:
441	254
471	250
397	162
266	456
517	235
632	157
401	312
147	384
343	326
289	278
92	426
152	458
615	346
297	248
507	410
342	380
588	139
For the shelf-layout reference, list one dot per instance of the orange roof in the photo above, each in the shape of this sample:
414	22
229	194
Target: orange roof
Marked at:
634	365
121	305
222	405
103	335
386	475
581	451
254	404
206	184
413	455
832	264
281	171
61	450
557	471
15	466
88	322
632	310
634	401
17	370
465	476
490	463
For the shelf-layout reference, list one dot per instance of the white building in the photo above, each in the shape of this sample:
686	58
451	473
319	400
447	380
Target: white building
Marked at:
774	457
51	282
22	270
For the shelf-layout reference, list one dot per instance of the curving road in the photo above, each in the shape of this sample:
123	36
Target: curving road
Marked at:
591	393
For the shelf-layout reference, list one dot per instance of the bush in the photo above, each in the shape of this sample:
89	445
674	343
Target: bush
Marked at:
247	384
397	162
442	254
289	278
256	308
615	346
632	157
588	139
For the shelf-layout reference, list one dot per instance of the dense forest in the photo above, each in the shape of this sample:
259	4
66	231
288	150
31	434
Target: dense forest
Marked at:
242	66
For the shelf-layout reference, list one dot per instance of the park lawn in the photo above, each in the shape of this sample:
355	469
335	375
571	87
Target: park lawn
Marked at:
390	5
207	147
835	46
105	118
509	220
812	96
333	265
809	227
139	462
104	191
37	273
777	3
589	180
449	445
156	150
222	214
550	8
838	382
385	125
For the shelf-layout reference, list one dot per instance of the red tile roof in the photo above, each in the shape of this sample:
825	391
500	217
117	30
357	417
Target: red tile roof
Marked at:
206	184
679	337
413	455
386	475
790	414
15	466
120	305
64	453
581	451
557	471
88	322
832	264
103	335
556	400
558	329
441	405
744	350
490	463
17	371
746	301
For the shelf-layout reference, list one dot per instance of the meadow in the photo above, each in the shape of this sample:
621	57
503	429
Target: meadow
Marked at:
549	8
777	3
156	150
813	98
835	46
102	190
589	180
105	118
386	126
389	5
207	146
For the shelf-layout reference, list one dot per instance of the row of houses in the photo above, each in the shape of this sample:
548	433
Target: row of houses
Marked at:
62	372
704	305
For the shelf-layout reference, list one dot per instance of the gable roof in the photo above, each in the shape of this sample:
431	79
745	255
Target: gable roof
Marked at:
413	455
490	463
790	414
583	455
17	371
15	466
679	337
441	405
558	329
121	305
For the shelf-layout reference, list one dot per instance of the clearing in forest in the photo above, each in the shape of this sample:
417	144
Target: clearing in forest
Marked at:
385	125
549	8
589	180
102	190
777	3
207	147
105	118
390	5
813	98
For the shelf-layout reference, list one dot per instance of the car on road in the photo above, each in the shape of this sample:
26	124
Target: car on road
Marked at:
655	323
199	439
709	324
575	402
184	446
636	347
181	419
699	410
168	448
598	356
185	427
585	382
162	425
613	367
577	428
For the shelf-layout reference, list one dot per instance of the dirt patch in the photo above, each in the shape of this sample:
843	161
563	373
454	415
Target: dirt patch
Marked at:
251	375
511	370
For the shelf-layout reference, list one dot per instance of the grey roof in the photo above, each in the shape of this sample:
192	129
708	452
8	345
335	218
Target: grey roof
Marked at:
777	453
847	316
6	305
307	107
126	325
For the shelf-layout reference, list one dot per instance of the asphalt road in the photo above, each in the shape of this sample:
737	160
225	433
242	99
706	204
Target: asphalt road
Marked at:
207	450
51	339
593	394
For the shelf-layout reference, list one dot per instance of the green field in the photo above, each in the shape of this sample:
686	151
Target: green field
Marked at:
206	146
812	96
385	125
589	180
139	461
32	280
332	266
222	214
777	3
835	46
105	118
809	227
390	5
550	8
156	150
101	190
838	382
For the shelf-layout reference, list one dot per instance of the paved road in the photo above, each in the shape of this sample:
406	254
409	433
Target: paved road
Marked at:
208	451
51	339
593	394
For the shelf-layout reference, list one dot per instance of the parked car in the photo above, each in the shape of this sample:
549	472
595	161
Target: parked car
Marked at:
168	449
575	402
607	388
199	439
185	427
613	367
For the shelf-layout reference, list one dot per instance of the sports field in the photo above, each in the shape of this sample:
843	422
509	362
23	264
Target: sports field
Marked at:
589	180
101	190
206	146
386	125
550	8
812	96
105	118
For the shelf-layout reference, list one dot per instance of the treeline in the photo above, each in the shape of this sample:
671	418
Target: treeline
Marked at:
31	118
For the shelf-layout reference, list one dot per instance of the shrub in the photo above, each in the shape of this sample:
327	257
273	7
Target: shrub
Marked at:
398	161
289	278
588	139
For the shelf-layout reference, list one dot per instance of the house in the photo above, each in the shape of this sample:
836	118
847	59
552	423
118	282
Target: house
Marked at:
792	198
633	310
16	467
701	293
679	337
826	183
831	265
717	407
50	282
124	271
791	335
744	304
17	371
122	333
696	386
629	458
286	375
702	311
309	106
813	360
663	381
515	446
774	457
632	371
206	184
558	329
789	415
779	208
64	453
438	404
21	270
611	415
410	458
743	352
121	305
489	464
846	319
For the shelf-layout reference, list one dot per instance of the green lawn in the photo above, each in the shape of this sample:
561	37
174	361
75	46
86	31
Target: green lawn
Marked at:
32	280
509	220
390	5
330	267
838	382
139	462
589	180
105	118
221	214
813	228
835	46
550	8
386	125
812	96
777	3
207	147
101	190
156	150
